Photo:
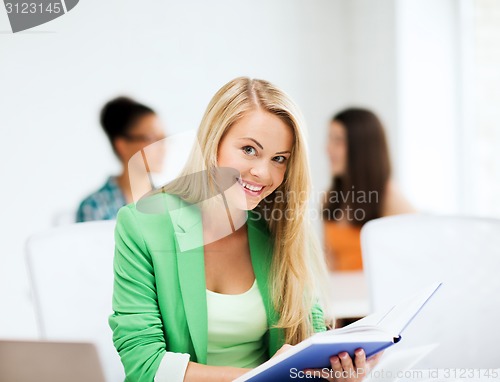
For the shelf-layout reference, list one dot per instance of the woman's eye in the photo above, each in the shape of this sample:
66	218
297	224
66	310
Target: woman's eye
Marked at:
280	159
249	150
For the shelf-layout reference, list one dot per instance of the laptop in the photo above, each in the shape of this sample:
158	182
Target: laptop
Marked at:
44	361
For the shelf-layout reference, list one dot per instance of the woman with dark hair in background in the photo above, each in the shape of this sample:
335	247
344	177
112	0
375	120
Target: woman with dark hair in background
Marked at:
361	190
130	127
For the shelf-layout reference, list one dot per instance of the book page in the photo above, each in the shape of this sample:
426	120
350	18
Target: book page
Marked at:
403	313
391	321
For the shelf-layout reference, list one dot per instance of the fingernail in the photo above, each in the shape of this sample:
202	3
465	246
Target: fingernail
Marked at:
359	352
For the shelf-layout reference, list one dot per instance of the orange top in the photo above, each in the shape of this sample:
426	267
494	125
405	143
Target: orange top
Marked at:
343	246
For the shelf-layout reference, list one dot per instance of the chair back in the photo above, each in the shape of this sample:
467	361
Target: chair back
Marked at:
402	254
71	273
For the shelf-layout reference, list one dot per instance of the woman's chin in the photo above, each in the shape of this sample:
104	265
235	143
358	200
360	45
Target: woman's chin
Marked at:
245	205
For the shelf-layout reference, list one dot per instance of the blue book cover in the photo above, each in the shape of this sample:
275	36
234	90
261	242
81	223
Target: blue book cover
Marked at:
373	333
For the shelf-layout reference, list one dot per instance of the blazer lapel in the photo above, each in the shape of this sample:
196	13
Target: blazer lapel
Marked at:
191	269
261	251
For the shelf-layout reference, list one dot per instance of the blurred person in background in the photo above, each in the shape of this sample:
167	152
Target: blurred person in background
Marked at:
130	127
361	188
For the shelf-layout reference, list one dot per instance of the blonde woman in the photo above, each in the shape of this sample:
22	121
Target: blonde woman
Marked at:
217	272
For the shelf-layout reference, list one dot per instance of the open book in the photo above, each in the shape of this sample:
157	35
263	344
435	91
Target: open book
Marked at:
373	333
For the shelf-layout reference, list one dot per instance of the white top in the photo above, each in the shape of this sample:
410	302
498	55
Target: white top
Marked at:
237	324
236	327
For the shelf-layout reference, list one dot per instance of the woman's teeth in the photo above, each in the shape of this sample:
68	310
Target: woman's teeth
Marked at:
250	187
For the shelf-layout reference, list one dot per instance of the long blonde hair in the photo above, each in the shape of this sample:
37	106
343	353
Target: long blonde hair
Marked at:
297	276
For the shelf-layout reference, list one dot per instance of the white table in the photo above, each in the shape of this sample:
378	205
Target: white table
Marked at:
349	294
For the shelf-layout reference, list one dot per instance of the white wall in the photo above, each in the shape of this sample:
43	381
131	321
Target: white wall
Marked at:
370	60
398	57
402	59
428	101
171	55
409	60
485	173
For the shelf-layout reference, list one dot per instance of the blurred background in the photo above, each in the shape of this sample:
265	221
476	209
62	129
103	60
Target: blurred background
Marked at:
429	68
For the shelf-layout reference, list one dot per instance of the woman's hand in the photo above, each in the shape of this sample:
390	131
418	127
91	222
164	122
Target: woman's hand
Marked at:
344	369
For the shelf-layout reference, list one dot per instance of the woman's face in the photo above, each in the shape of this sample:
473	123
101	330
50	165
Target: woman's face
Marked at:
258	146
146	133
337	148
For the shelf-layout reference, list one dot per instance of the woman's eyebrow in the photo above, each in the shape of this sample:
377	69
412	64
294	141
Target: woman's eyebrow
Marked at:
257	143
262	148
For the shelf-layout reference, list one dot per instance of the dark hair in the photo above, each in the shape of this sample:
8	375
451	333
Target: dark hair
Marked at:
119	115
368	168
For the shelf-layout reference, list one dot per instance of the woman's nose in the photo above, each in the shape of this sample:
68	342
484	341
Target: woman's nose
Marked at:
261	170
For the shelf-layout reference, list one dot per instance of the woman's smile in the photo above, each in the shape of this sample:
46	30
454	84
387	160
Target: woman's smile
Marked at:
251	188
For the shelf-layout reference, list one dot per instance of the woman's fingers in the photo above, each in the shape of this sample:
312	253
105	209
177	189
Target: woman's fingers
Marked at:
344	368
336	364
373	360
283	349
360	361
346	361
336	367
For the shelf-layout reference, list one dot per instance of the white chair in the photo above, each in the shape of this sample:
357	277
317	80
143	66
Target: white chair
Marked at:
63	217
402	254
71	272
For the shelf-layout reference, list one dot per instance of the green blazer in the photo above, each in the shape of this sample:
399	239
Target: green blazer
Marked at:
159	297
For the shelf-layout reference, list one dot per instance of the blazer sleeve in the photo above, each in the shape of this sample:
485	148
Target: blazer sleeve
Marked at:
136	322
